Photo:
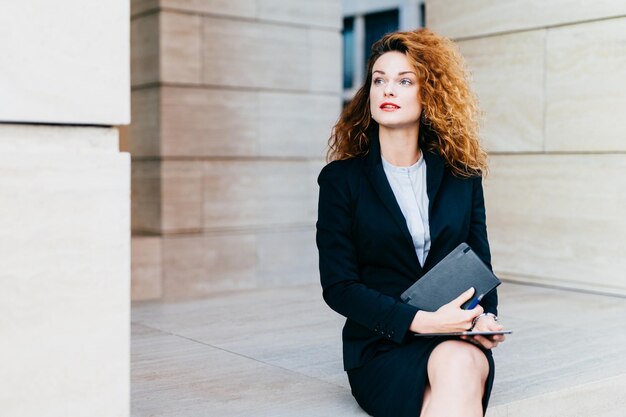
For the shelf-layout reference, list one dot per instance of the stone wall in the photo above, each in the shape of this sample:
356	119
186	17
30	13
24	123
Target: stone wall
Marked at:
64	209
232	105
550	77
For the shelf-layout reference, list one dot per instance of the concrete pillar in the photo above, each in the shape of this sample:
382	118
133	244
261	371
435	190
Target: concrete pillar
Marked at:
64	209
232	107
359	51
410	15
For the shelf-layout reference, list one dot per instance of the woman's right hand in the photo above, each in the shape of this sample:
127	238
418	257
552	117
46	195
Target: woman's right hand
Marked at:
448	318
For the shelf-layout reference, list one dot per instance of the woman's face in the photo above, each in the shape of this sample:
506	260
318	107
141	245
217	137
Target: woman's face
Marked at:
394	93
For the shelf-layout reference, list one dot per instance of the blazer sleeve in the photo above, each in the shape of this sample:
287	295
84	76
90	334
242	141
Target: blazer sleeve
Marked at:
342	287
478	240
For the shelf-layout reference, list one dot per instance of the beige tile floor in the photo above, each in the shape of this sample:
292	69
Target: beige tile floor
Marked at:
277	352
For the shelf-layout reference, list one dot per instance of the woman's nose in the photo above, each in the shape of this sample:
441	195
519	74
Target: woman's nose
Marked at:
388	90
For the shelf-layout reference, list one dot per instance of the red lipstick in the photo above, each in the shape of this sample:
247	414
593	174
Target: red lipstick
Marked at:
389	106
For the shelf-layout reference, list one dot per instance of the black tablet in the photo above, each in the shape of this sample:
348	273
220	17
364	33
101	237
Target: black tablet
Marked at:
466	333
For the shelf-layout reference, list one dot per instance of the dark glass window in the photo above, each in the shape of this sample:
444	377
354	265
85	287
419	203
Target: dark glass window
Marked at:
423	15
348	51
376	25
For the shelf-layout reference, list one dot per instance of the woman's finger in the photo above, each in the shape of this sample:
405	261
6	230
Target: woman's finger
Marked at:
485	342
498	338
472	340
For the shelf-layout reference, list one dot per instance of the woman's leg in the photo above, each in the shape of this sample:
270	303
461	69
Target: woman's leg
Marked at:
457	372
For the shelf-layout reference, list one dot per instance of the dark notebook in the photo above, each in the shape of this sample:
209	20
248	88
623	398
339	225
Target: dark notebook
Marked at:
460	270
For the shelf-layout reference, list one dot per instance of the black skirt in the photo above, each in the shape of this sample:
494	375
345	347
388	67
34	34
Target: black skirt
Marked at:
392	383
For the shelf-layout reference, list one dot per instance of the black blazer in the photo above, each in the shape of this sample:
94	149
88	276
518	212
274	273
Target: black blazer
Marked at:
366	254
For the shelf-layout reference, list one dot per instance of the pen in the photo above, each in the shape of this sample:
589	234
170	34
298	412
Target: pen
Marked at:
475	302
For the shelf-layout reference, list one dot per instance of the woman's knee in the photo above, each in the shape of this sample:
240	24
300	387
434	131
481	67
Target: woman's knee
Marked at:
457	360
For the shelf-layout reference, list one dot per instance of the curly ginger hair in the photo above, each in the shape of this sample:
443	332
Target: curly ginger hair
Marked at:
450	113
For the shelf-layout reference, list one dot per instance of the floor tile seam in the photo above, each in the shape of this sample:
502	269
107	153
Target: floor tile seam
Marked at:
147	326
238	354
320	324
559	288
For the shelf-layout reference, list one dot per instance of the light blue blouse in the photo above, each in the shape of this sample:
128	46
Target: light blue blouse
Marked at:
409	187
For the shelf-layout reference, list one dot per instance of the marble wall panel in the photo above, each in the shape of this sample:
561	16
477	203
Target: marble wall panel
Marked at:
559	219
325	13
65	254
460	19
197	266
508	77
326	61
586	87
144	136
182	196
146	196
217	122
181	47
142	6
235	8
243	194
255	55
65	65
144	48
302	12
200	265
295	124
57	139
209	122
146	269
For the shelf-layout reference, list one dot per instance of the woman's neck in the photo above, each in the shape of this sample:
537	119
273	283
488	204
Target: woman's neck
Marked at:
399	147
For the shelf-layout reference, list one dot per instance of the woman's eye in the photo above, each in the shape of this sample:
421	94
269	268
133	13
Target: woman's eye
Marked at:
378	80
406	81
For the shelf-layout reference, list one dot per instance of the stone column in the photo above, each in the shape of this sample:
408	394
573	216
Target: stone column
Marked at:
232	106
64	209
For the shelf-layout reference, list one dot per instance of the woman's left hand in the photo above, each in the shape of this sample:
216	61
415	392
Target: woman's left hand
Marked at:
486	324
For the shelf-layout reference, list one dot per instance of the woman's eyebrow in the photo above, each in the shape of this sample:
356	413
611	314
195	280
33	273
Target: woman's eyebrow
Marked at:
400	73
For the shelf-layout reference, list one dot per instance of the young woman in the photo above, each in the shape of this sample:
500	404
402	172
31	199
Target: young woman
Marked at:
403	189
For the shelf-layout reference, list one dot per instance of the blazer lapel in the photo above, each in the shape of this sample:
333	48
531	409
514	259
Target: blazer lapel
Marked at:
434	174
376	174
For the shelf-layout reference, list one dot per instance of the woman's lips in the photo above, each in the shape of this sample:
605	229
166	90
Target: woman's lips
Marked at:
389	107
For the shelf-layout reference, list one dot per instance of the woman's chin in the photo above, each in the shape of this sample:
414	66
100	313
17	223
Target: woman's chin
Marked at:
397	124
